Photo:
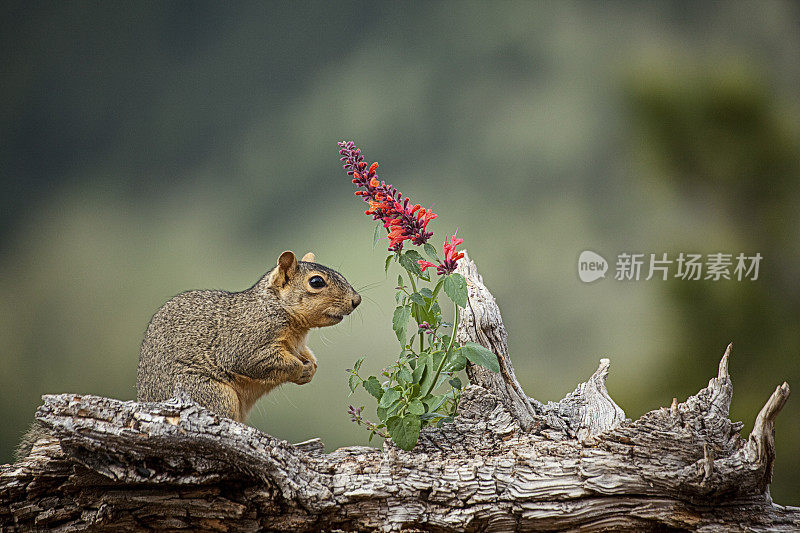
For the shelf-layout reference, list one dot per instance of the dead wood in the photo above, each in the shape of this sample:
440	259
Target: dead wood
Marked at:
507	463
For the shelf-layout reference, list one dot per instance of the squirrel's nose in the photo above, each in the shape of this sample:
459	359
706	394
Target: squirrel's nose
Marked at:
356	300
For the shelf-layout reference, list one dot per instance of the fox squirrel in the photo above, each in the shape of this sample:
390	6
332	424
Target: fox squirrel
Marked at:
226	350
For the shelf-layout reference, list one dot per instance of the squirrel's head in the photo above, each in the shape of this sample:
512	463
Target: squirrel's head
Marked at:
314	295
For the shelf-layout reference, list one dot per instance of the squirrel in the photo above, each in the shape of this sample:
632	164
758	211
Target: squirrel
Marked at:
227	349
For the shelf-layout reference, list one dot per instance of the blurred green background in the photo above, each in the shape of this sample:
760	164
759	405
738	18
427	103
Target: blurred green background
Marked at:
150	148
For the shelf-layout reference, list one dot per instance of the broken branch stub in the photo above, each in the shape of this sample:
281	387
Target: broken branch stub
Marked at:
481	322
586	411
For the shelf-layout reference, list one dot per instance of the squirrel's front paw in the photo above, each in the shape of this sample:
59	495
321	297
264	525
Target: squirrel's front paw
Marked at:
309	369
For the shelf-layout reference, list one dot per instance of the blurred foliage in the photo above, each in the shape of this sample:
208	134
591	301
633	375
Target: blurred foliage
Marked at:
720	136
151	148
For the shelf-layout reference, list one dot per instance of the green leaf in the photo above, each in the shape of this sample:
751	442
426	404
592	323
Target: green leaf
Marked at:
389	397
421	313
353	382
419	372
399	280
404	376
458	363
393	408
357	365
437	358
414	392
406	356
479	355
455	382
443	421
427	380
430	251
404	430
373	386
415	407
400	322
456	288
386	266
426	293
435	402
377	235
408	260
438	287
417	299
441	381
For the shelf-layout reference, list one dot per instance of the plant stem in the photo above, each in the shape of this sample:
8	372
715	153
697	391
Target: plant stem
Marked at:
414	286
446	353
411	279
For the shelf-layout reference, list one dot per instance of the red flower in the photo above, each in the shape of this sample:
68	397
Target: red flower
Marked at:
403	221
425	264
397	235
426	217
451	257
450	253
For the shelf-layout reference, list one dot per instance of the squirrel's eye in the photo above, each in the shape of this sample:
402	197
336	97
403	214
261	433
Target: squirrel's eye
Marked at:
316	282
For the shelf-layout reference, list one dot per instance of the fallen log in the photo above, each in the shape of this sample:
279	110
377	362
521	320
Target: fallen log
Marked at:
507	463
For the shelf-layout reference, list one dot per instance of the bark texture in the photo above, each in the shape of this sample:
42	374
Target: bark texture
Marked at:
507	463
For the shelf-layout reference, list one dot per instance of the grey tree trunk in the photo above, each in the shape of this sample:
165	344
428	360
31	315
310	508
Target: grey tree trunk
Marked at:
507	463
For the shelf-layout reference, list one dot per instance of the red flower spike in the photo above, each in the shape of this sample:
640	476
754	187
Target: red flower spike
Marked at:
451	256
385	201
425	264
428	217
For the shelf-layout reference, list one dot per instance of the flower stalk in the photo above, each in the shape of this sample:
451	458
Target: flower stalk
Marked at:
408	399
402	220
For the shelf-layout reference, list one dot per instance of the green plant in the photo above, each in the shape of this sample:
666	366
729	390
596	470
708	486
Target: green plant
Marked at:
422	387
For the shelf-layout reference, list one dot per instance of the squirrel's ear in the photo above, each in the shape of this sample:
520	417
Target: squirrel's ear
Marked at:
286	269
310	257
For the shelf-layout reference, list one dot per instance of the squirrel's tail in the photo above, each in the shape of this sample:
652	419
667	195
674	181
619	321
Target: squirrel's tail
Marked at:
36	432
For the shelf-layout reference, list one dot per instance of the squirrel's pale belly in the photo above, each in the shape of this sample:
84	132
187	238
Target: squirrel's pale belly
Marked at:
248	391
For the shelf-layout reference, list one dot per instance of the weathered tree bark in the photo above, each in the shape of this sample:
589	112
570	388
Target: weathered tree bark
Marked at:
507	463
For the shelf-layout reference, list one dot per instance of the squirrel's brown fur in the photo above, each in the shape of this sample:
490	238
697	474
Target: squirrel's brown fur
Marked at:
226	350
